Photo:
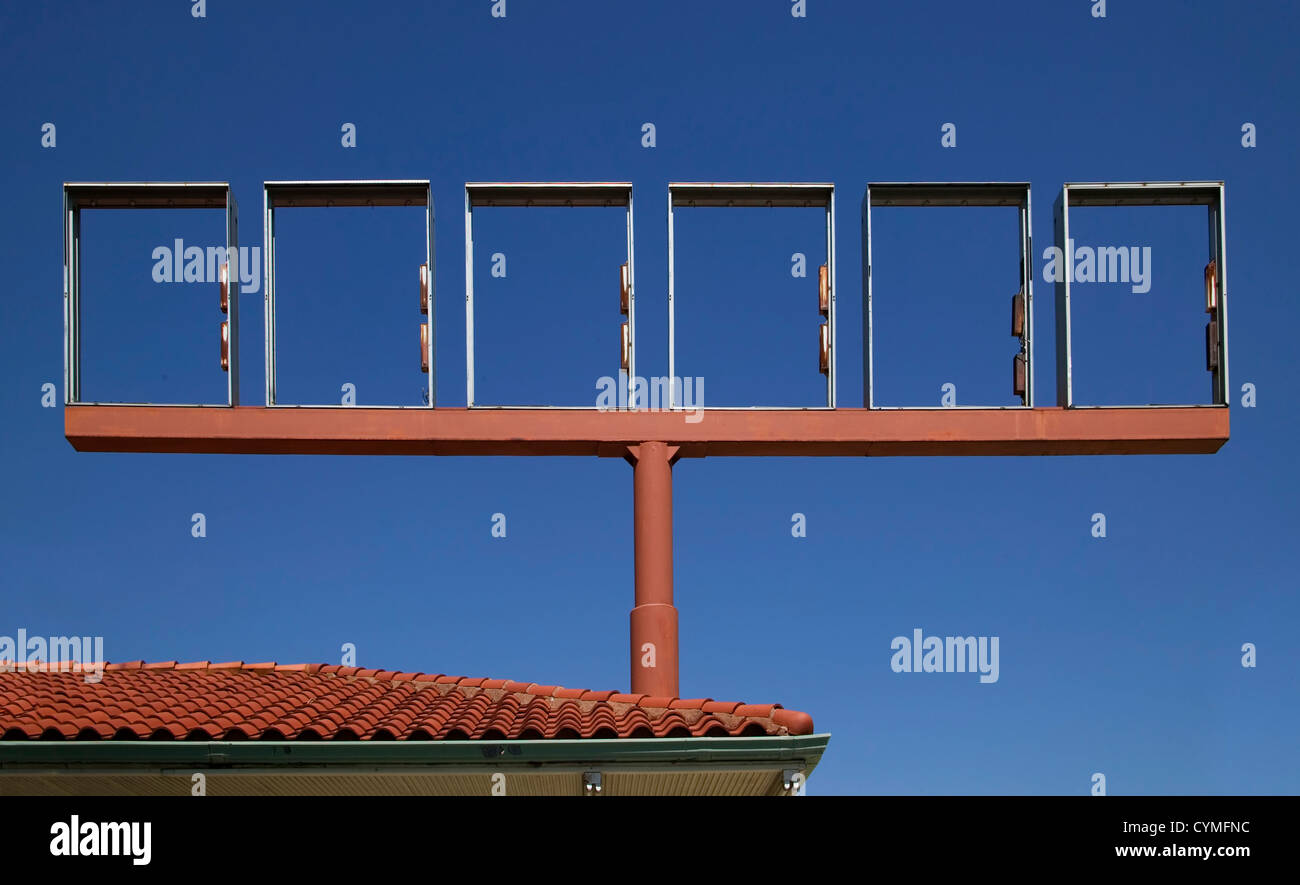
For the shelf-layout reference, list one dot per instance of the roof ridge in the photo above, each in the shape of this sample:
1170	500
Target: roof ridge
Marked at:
510	686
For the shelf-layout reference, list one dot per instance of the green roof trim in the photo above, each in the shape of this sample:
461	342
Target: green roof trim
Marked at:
801	751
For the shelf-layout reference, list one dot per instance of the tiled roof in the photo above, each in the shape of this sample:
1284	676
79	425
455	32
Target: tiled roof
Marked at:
238	701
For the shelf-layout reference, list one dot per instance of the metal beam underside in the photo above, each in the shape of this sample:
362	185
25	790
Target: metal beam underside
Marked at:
258	430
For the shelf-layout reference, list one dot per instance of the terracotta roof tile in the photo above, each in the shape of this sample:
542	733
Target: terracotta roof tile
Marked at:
660	702
238	701
689	703
796	722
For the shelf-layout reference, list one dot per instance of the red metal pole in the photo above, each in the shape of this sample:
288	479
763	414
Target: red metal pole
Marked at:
654	619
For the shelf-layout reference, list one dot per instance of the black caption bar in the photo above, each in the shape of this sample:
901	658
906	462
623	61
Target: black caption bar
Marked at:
248	834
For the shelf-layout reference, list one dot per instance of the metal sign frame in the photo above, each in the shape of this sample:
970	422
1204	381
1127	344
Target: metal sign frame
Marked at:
746	194
950	194
78	195
651	442
1143	193
548	193
356	193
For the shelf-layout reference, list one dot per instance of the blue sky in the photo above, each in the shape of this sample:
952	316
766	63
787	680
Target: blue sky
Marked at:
1119	655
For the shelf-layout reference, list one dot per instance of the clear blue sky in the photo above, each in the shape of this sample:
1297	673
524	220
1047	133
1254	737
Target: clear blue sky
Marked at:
1118	655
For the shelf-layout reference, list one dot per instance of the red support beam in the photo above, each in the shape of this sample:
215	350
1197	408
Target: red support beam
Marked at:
743	432
654	619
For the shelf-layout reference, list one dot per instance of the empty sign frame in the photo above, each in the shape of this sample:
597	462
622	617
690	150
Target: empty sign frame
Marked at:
1148	193
285	194
148	195
562	194
318	194
1012	194
761	195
